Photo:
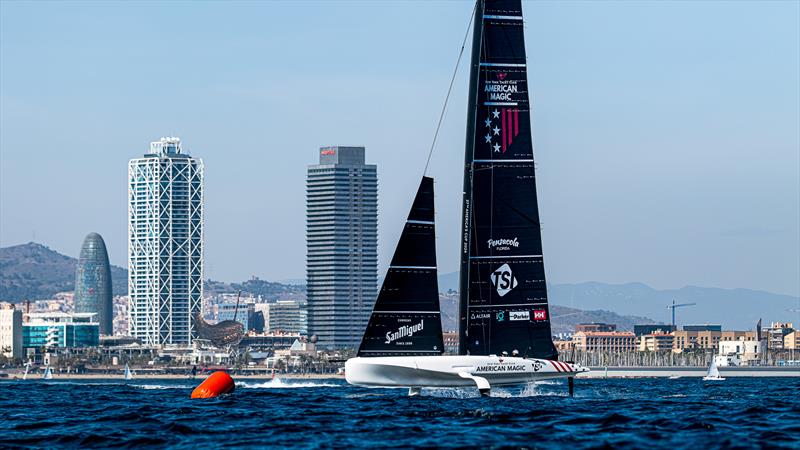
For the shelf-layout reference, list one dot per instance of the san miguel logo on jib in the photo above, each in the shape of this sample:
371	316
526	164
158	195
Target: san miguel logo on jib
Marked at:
404	331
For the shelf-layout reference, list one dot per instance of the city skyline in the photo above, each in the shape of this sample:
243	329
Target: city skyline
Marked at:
669	160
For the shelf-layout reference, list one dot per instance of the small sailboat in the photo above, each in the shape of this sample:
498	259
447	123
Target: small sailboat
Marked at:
48	374
27	367
128	375
713	373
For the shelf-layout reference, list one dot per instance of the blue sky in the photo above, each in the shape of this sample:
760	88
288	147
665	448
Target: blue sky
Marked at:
666	133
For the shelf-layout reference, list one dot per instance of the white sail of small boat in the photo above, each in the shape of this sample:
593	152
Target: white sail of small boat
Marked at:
713	373
48	374
128	375
27	367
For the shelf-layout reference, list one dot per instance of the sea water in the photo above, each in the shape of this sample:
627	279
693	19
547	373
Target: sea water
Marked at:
612	413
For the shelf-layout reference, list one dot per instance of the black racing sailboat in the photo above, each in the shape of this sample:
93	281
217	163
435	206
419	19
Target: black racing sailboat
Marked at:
503	295
504	319
406	320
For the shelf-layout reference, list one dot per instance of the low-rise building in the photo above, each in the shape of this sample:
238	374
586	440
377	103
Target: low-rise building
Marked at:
650	328
288	316
775	334
450	342
617	341
564	345
792	341
240	313
655	342
10	331
58	329
740	352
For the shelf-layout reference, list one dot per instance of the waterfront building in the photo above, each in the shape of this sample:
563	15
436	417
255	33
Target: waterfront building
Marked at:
616	341
693	340
242	314
287	316
10	331
739	352
738	336
775	334
450	339
342	245
595	326
708	339
59	329
656	341
792	341
564	345
165	244
93	283
640	330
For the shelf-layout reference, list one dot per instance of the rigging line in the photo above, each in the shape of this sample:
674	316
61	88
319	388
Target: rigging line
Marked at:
449	90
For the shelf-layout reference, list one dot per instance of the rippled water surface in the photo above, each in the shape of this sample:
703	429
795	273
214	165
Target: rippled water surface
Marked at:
632	413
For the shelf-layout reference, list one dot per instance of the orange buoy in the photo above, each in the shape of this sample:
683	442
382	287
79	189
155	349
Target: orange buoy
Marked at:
217	383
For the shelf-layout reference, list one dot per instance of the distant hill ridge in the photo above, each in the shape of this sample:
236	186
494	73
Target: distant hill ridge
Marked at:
34	271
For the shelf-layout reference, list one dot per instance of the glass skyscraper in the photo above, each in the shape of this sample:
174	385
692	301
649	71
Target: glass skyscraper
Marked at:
93	283
165	244
342	245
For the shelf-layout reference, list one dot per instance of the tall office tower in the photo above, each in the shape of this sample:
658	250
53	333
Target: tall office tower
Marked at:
342	245
165	244
93	283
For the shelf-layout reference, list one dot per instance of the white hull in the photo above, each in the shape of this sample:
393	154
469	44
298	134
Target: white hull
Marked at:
717	378
454	371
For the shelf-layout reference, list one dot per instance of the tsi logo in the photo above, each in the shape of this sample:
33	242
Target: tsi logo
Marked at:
520	315
503	280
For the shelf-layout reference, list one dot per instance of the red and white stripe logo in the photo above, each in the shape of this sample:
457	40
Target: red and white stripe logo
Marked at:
561	366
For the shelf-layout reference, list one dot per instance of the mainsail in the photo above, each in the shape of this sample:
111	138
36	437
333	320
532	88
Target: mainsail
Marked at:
503	304
406	319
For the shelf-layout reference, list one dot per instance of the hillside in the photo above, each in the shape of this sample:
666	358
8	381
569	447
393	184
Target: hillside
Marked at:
563	319
34	271
731	308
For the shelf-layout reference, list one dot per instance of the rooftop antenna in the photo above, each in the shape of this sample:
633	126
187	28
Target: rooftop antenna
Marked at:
673	306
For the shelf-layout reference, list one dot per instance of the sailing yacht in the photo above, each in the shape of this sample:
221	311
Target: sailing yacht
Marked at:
48	374
128	376
504	319
713	373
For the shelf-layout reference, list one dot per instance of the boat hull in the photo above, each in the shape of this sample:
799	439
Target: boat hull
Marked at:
454	371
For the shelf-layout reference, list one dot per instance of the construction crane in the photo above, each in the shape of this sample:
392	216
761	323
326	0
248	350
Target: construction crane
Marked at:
673	306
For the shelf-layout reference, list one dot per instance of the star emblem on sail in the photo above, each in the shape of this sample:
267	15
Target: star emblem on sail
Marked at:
503	280
508	130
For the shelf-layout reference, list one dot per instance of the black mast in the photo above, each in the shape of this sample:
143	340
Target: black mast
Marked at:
472	107
503	294
406	320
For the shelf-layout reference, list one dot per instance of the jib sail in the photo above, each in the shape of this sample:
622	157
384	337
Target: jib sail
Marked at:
503	304
406	319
